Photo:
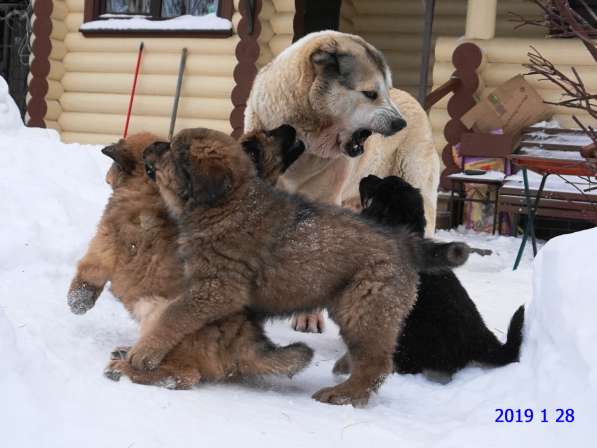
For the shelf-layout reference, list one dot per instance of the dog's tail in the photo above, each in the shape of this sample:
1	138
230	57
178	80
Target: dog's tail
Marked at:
497	354
431	256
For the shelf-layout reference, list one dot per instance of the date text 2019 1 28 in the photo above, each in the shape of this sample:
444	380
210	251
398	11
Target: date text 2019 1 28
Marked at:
558	415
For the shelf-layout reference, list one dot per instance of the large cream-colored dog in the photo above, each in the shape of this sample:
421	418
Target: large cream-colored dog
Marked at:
336	89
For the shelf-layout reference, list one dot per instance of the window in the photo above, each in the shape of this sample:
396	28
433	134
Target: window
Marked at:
210	18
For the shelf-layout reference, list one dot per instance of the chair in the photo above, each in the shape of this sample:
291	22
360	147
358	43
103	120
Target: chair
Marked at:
486	146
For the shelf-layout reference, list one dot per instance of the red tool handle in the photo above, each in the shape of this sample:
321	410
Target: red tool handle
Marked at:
128	113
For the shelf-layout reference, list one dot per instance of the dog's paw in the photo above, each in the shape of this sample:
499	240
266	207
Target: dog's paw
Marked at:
81	298
308	323
114	370
146	356
119	353
181	381
341	395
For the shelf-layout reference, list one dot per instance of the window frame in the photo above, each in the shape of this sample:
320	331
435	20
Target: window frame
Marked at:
95	8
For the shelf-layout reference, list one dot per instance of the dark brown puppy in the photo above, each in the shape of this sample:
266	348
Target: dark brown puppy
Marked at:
135	249
247	245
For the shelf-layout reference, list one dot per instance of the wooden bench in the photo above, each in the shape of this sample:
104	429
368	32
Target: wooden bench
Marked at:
561	202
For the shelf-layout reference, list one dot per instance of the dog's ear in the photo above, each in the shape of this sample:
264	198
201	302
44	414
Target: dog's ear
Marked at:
212	184
293	153
120	156
326	57
285	134
367	188
330	60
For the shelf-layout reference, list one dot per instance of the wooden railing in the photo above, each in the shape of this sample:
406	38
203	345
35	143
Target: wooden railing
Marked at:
463	83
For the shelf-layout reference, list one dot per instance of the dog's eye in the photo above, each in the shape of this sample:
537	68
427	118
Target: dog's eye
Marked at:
150	171
371	94
253	156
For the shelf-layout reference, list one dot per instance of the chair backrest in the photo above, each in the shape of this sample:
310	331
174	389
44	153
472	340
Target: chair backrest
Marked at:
490	146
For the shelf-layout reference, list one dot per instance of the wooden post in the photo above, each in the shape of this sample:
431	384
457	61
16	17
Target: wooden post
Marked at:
480	19
40	63
247	52
467	58
426	51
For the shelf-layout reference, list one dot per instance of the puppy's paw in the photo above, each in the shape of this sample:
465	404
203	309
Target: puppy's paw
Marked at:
119	353
114	370
183	380
341	395
82	296
308	323
146	355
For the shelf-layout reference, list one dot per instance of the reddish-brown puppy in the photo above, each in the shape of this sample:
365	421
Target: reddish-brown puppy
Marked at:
246	245
135	249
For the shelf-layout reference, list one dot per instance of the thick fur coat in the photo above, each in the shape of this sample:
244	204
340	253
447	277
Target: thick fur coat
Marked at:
247	245
135	249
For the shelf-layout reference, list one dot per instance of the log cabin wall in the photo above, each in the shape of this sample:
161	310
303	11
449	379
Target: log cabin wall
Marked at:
504	59
91	78
504	56
395	27
276	28
57	70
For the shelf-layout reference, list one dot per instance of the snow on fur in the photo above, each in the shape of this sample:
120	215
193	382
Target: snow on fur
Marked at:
53	393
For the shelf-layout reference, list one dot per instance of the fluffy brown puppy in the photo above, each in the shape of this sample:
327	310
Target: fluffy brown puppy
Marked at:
135	249
246	245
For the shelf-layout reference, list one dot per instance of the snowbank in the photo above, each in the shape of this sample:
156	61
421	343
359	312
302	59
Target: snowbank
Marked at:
10	117
562	316
53	394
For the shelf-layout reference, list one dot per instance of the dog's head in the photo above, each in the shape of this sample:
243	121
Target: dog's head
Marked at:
127	157
200	168
272	152
351	88
392	201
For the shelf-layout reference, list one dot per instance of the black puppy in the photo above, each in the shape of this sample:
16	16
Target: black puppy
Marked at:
444	331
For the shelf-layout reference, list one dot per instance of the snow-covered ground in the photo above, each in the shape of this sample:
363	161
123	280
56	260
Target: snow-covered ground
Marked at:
53	394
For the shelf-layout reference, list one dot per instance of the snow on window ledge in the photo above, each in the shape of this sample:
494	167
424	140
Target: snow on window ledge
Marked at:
208	22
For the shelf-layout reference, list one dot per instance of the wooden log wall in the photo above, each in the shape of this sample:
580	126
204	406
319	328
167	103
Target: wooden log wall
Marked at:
276	28
395	28
504	57
90	80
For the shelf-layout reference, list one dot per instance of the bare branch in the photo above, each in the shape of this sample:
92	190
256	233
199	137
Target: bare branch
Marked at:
574	89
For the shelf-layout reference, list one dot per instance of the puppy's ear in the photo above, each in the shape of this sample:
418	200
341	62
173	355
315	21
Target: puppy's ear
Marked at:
151	155
252	146
293	153
285	135
212	184
120	156
367	188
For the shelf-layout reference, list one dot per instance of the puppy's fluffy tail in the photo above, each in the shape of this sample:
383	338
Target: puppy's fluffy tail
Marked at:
431	256
497	354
